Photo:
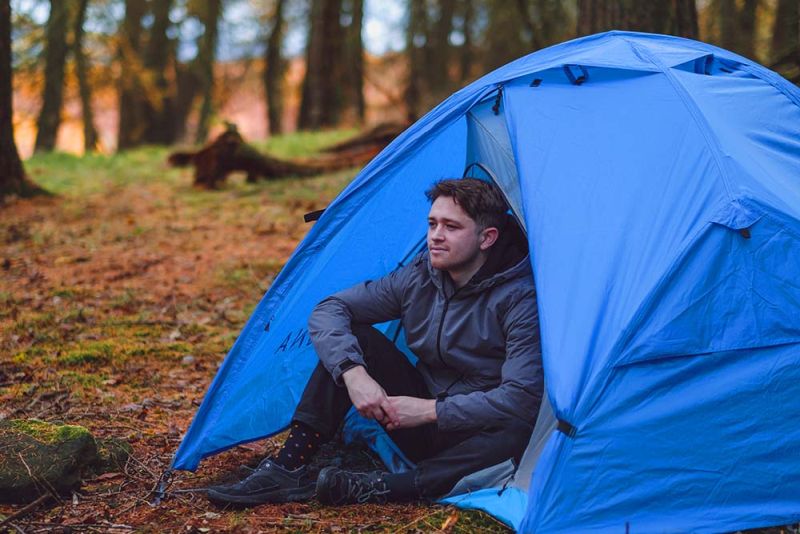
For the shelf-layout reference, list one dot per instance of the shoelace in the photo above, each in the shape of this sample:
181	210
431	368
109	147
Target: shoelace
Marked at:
362	489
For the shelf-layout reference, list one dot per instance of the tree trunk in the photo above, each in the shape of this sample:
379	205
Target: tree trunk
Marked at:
437	50
685	19
159	101
55	54
727	24
12	175
84	87
677	17
205	62
416	33
599	15
355	59
273	73
466	56
647	16
785	34
186	82
322	92
546	21
504	34
131	107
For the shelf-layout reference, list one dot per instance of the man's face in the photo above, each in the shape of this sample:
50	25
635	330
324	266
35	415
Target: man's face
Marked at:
454	242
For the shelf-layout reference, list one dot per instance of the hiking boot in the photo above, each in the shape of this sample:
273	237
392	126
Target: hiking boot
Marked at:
268	483
336	487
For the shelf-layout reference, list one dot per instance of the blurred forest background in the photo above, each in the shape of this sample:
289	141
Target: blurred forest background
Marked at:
122	289
110	75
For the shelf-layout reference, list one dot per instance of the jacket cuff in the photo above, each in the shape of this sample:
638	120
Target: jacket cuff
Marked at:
343	366
444	421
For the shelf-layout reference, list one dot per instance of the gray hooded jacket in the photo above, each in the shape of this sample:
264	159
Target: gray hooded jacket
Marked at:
478	347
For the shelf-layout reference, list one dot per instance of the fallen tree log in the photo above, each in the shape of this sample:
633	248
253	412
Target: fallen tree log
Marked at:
229	153
378	136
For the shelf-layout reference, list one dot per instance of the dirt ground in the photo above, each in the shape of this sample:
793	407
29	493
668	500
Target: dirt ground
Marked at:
119	299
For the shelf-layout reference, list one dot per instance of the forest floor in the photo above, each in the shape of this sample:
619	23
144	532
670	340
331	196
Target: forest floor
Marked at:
119	298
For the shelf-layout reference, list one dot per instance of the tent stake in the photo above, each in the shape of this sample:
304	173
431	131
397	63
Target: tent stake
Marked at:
164	482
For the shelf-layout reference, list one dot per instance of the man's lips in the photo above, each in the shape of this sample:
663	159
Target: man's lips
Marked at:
437	249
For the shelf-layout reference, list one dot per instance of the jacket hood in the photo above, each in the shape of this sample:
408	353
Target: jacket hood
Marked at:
508	259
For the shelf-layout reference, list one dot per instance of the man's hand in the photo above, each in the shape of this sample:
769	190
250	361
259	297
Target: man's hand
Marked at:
410	412
367	395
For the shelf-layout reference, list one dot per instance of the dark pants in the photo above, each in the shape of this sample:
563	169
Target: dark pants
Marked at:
442	458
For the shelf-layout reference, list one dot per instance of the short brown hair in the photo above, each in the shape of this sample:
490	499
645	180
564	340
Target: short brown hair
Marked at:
481	200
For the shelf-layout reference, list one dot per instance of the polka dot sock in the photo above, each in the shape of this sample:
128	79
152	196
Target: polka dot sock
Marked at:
300	447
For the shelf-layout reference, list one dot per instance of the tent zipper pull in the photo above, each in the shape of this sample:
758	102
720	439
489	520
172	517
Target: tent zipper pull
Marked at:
497	99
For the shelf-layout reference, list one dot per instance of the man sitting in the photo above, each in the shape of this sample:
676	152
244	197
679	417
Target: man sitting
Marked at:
468	309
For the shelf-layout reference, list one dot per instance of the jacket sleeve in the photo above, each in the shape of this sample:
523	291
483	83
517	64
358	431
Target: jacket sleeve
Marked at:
370	302
519	394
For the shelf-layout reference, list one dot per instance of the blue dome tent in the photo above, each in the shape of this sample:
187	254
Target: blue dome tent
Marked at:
658	180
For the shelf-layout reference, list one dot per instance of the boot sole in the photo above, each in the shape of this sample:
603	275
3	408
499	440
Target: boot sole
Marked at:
274	497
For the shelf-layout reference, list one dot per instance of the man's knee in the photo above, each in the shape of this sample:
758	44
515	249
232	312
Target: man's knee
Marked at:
371	341
367	334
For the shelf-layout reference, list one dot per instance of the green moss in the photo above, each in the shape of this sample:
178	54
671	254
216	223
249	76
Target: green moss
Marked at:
48	432
36	321
64	293
124	300
85	380
29	354
171	350
80	315
250	274
193	329
92	353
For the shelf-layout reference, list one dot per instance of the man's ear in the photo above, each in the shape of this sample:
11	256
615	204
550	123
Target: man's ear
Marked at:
489	237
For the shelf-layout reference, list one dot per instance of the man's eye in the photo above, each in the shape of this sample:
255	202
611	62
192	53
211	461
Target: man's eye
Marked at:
452	227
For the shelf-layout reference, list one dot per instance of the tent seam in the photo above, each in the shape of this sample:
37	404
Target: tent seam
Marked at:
712	143
492	137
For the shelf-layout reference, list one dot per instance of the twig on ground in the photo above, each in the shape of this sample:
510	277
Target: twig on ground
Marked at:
25	510
423	517
103	524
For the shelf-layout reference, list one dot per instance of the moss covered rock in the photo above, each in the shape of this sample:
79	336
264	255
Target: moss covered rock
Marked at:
36	457
112	455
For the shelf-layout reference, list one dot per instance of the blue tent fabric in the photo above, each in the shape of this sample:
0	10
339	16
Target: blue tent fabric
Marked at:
661	198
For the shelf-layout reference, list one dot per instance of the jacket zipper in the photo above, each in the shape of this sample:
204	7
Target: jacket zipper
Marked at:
439	335
441	326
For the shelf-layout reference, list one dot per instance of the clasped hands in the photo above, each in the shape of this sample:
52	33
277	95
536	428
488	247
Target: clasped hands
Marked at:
372	402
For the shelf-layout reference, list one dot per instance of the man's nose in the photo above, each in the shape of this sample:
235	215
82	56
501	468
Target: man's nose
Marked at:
436	233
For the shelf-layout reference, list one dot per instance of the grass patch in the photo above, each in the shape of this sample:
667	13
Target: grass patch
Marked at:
78	176
303	144
28	354
71	175
251	273
126	299
457	521
65	292
91	353
36	321
71	379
